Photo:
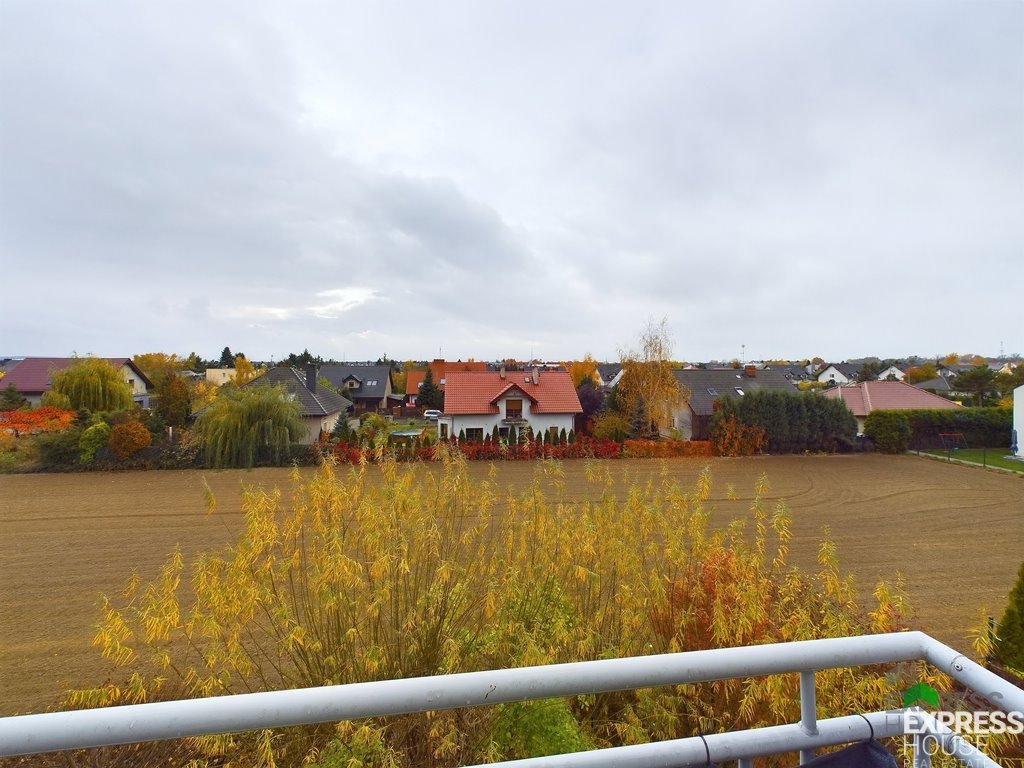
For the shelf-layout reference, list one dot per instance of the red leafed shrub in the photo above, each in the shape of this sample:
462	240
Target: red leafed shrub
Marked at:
666	449
127	439
44	419
585	447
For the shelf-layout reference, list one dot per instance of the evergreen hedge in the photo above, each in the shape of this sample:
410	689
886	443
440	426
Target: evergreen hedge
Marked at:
792	422
981	427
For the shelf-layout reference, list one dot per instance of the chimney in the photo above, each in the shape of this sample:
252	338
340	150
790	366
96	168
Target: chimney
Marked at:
750	370
311	377
536	374
501	373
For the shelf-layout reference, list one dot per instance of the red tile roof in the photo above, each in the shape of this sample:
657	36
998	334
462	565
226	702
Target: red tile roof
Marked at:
478	392
870	396
440	369
34	375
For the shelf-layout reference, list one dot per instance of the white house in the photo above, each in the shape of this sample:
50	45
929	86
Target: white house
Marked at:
839	373
894	372
477	402
1018	421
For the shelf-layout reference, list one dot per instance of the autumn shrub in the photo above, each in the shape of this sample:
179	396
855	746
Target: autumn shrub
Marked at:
731	437
92	439
57	450
410	570
30	422
128	438
611	425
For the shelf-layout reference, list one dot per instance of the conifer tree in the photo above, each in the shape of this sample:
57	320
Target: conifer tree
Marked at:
1010	632
430	396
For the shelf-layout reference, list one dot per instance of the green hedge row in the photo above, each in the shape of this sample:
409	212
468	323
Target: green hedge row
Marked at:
897	431
981	427
792	422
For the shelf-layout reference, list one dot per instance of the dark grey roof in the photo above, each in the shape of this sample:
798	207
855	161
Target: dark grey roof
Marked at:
706	386
608	371
323	402
938	384
372	379
849	370
791	372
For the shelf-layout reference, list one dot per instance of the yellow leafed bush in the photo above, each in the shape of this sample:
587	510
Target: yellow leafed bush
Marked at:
410	570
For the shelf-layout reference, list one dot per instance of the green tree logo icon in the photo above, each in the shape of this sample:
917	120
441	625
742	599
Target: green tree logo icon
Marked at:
920	692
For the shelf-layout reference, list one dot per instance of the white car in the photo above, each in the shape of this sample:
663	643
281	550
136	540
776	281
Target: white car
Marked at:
431	414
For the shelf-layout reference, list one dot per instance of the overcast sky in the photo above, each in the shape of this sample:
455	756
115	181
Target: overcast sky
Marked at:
512	179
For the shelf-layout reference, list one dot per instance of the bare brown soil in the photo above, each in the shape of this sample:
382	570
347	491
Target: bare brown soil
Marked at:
955	533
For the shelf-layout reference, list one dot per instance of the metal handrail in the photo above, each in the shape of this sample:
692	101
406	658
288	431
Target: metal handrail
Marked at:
52	731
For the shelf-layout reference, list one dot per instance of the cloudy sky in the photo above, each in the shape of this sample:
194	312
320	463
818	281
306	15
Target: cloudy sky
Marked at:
508	179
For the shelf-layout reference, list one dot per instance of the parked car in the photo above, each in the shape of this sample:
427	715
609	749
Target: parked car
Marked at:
431	414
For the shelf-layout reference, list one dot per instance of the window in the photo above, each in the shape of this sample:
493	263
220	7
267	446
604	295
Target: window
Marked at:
712	391
738	391
444	431
371	383
513	409
474	434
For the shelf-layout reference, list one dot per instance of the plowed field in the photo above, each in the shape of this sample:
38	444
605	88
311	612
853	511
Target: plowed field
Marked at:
956	533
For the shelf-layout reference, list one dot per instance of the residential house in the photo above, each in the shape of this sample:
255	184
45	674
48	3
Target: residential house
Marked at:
321	408
794	373
440	370
704	386
938	386
892	373
477	402
32	377
220	376
609	374
839	373
368	386
868	396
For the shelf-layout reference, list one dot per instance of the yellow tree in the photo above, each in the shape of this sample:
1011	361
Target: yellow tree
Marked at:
648	391
203	393
244	371
581	370
158	365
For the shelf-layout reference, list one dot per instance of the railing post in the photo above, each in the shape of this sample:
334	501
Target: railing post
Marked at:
808	711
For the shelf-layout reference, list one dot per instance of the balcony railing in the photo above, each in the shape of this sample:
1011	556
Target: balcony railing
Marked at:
29	734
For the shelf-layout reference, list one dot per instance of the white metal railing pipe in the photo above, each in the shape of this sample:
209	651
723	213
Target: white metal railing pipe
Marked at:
808	711
225	714
1004	695
741	746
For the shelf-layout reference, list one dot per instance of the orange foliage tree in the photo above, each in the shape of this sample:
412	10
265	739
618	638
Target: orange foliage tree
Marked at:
128	438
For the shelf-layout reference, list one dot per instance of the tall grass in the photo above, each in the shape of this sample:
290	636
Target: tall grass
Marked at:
405	570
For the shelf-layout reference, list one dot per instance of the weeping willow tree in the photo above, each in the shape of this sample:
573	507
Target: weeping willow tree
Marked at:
92	383
249	425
